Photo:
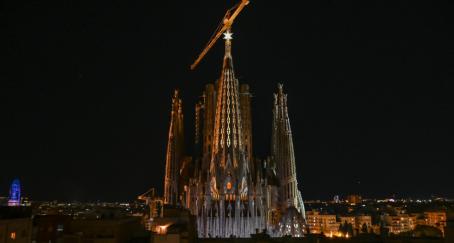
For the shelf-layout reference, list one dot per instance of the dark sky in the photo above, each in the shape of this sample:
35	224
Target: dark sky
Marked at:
87	85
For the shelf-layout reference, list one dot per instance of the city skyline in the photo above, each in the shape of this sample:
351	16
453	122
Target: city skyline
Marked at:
89	94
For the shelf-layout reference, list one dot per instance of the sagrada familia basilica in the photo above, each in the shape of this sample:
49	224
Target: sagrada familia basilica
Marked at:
229	191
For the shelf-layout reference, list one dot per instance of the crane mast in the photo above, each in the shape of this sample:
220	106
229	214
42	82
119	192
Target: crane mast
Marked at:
227	23
155	204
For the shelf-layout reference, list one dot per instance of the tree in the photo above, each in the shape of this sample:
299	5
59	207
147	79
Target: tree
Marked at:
383	230
349	229
427	231
364	228
341	228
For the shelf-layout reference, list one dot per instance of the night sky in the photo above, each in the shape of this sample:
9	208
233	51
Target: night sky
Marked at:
86	90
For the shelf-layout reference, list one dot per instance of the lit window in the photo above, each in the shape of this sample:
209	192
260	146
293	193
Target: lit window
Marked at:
60	228
12	235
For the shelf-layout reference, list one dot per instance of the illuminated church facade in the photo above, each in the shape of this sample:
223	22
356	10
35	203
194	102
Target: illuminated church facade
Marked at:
231	193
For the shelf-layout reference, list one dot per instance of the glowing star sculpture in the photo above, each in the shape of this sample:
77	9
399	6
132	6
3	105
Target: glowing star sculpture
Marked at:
228	35
14	194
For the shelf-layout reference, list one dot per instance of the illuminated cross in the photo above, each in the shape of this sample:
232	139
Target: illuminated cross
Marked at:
228	35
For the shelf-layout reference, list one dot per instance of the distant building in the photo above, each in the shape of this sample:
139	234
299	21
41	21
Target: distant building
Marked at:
25	201
15	225
14	194
354	199
400	223
436	219
348	219
322	223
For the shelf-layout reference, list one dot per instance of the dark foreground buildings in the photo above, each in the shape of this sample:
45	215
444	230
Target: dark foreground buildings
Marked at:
66	229
15	225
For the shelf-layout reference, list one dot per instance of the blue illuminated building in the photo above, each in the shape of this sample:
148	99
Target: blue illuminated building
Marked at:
14	193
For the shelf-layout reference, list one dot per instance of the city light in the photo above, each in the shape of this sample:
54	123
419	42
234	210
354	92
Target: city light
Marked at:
162	229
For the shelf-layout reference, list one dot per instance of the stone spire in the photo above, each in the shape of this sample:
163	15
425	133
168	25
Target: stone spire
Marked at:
228	146
284	155
175	150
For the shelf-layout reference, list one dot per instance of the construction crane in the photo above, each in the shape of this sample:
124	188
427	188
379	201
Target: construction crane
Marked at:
154	202
223	26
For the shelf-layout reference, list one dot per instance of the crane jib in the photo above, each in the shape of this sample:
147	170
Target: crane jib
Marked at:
227	24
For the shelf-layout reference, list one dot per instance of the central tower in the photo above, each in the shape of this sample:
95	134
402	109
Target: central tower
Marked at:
232	203
229	168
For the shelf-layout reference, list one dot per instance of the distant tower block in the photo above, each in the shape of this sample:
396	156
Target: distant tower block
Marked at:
14	194
175	150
